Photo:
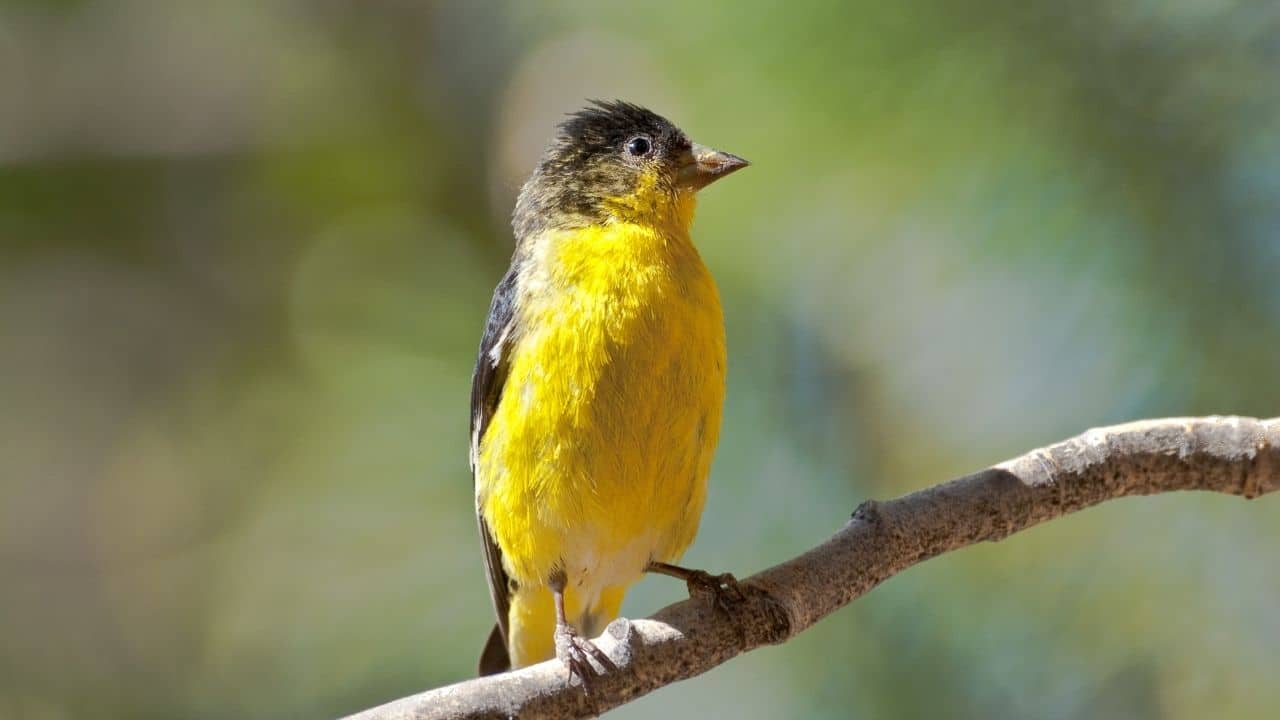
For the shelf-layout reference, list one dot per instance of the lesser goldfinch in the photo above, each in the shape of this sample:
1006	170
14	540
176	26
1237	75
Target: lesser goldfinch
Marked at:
597	394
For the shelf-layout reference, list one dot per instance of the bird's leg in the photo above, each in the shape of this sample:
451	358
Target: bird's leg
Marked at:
720	591
575	651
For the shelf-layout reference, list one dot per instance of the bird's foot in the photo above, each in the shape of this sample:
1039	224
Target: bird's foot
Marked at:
577	652
719	591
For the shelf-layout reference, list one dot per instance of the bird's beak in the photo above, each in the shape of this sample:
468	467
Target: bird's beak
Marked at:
703	166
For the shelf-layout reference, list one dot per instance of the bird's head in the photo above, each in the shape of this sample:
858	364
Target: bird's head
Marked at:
615	161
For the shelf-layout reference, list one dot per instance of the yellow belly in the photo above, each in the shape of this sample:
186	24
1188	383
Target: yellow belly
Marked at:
597	457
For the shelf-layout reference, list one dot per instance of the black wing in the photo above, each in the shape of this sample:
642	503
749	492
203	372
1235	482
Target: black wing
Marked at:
486	390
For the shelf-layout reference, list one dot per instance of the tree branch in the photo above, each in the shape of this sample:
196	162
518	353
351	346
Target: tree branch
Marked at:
1232	455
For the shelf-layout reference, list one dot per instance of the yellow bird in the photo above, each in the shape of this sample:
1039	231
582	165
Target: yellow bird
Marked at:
597	394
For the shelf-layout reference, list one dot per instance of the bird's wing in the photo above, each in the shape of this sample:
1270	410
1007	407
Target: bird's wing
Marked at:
486	390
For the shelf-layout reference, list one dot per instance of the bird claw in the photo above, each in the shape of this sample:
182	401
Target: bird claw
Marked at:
577	652
720	591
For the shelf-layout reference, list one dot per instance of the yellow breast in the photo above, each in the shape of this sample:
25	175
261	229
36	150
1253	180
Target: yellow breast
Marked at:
597	457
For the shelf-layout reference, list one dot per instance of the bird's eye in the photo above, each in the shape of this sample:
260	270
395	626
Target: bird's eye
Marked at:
639	146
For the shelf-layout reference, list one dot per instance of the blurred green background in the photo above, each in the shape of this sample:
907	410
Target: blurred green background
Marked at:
246	249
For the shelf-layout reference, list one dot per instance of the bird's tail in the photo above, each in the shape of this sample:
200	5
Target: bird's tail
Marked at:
494	658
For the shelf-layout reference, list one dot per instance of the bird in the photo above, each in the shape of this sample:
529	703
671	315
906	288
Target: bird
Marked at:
598	388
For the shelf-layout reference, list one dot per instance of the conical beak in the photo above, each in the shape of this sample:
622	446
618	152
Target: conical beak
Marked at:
704	166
